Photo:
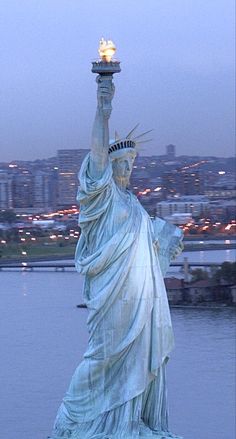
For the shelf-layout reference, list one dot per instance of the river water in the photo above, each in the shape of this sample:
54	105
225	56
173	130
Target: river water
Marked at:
43	336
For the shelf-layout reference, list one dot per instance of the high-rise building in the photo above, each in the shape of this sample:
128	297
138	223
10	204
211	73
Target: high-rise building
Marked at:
170	183
22	190
5	190
170	151
41	189
69	162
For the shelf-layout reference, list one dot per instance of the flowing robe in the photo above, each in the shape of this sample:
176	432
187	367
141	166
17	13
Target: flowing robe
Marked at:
129	324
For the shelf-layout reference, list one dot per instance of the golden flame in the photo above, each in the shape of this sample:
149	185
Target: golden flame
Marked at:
106	50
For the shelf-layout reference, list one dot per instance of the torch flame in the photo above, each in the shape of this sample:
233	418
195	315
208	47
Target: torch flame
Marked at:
106	50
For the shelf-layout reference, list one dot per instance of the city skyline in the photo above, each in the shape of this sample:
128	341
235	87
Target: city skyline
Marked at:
140	154
177	75
53	182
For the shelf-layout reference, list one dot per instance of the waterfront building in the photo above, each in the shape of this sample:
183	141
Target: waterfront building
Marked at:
69	162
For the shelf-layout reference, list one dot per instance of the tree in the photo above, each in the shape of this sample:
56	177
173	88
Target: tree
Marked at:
226	273
199	274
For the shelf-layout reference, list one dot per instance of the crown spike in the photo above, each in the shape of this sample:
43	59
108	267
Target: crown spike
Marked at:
143	134
143	141
131	132
117	137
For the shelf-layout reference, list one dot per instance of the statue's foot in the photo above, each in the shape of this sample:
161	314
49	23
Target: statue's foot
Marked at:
146	433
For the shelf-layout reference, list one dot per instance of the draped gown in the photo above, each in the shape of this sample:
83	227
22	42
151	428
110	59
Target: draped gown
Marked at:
118	391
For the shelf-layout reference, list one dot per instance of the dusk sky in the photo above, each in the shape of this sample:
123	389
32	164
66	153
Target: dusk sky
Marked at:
177	60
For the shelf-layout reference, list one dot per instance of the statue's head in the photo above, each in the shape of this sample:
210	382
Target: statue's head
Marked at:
122	153
122	165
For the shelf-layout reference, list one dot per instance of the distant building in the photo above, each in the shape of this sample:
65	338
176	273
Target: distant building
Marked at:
5	190
196	206
191	183
223	210
175	290
42	189
183	182
219	193
22	190
170	183
180	218
170	151
69	162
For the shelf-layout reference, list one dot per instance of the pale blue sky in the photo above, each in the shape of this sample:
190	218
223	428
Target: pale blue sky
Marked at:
177	59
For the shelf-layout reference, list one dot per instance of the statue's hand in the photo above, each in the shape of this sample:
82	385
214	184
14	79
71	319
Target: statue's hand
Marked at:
105	93
177	251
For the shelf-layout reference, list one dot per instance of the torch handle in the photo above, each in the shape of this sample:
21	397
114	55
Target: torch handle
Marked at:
105	93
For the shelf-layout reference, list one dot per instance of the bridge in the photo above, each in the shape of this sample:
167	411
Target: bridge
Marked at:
68	266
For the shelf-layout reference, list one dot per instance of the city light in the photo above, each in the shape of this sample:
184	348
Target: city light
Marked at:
11	165
158	189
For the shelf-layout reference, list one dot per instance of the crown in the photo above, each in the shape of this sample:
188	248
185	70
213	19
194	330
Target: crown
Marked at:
127	143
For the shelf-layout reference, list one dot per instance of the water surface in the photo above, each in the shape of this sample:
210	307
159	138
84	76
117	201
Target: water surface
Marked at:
43	337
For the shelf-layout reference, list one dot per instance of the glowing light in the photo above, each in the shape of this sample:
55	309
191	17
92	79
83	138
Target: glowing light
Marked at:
221	172
157	189
12	165
3	242
106	50
24	253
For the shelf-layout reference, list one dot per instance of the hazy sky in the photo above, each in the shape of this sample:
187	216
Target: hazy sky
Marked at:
177	59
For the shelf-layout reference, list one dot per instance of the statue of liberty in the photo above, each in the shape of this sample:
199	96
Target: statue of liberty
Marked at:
119	389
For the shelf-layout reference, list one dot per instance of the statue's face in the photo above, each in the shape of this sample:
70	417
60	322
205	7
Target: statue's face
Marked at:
122	167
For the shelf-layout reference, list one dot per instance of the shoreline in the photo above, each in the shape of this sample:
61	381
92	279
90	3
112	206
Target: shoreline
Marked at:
51	257
209	306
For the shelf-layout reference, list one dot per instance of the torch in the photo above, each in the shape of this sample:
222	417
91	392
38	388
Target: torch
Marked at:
106	66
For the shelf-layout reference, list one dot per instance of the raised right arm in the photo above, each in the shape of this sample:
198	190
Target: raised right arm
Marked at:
100	132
